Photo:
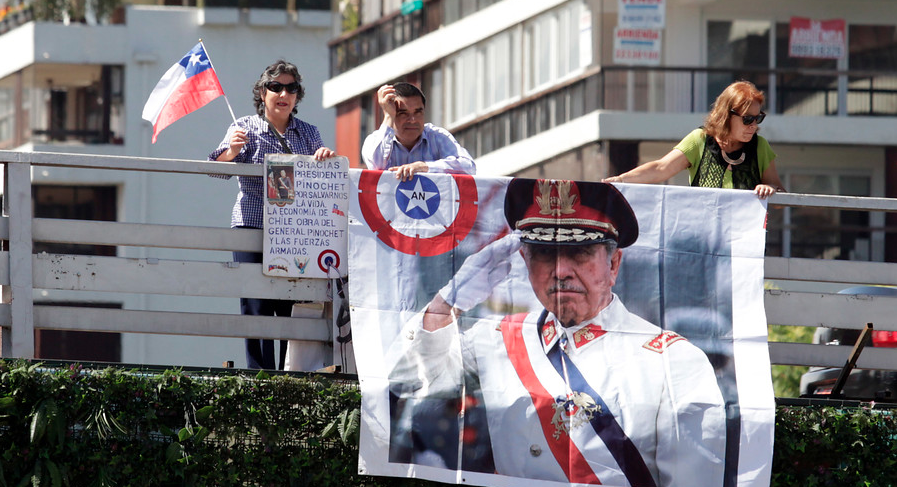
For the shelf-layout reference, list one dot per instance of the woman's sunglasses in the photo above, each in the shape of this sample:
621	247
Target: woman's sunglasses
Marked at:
277	87
749	119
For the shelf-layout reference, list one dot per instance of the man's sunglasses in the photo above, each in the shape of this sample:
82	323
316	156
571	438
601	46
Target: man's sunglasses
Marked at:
749	119
277	87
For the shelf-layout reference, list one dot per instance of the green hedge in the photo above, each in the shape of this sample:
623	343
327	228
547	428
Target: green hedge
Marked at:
68	426
837	446
73	427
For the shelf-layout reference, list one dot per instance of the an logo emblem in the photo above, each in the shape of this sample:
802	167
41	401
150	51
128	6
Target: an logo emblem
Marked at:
425	216
418	198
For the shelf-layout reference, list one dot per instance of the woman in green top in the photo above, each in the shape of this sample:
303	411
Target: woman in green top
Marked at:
725	153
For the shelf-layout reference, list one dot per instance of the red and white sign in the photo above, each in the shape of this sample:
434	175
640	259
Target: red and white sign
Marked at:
637	46
817	39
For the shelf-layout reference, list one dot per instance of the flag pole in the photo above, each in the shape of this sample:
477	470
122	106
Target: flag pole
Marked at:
222	88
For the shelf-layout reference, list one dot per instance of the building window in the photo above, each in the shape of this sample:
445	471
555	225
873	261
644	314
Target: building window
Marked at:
541	42
496	71
799	93
736	44
433	86
77	103
7	117
743	46
554	46
454	10
462	84
872	48
368	116
74	203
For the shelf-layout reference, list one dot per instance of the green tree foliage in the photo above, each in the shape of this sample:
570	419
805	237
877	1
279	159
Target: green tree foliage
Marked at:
786	378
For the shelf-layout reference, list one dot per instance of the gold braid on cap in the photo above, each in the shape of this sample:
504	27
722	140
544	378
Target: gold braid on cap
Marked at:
561	235
554	234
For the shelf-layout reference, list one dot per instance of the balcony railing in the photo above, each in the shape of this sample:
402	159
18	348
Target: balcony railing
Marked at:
112	11
391	30
22	272
678	90
14	16
270	4
387	33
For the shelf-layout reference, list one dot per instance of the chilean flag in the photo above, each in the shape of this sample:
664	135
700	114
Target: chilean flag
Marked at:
185	87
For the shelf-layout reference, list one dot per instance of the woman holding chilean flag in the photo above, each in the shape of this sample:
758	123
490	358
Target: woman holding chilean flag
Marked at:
272	130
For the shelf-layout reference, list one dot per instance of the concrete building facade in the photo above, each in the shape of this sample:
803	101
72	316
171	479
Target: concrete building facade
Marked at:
535	88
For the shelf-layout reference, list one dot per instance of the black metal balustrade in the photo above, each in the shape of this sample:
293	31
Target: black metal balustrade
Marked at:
676	90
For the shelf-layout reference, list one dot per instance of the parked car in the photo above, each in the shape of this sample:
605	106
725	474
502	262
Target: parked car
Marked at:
862	384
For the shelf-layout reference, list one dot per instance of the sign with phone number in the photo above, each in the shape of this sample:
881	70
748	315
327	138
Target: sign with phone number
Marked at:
637	46
816	39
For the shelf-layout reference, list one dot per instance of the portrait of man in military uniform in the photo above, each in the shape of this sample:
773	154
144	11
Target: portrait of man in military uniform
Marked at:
580	390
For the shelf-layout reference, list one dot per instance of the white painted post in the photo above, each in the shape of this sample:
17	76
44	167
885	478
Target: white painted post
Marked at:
18	204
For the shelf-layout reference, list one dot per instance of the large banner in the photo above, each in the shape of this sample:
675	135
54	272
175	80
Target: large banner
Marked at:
608	335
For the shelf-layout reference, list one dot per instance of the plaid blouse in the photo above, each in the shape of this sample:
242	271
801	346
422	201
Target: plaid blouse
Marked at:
301	138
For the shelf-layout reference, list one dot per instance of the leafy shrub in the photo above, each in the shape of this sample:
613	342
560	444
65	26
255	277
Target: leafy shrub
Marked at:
827	446
68	426
74	427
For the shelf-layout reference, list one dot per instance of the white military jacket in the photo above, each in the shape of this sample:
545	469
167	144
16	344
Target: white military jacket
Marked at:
660	389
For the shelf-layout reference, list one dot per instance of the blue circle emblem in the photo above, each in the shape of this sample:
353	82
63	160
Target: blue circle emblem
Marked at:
418	198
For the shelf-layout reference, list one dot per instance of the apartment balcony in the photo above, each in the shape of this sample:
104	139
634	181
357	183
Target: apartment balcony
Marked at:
113	11
370	30
16	13
631	91
56	87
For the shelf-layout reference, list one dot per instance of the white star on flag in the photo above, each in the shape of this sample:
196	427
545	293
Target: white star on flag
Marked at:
417	198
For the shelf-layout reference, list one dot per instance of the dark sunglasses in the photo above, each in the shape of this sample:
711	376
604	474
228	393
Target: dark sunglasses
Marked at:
749	119
277	87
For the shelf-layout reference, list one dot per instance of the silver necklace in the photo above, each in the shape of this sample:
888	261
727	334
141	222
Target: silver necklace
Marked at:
732	162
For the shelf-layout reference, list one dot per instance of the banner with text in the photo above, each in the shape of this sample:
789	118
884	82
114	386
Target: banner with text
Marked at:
639	47
475	364
305	216
818	39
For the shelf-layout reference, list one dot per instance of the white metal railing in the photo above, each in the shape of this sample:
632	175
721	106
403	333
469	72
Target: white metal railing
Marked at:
830	309
21	271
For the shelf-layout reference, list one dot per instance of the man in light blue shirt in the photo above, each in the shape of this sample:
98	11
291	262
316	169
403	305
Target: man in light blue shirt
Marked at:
405	144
